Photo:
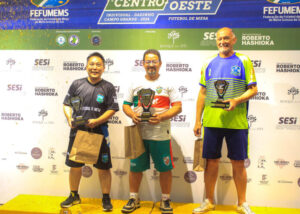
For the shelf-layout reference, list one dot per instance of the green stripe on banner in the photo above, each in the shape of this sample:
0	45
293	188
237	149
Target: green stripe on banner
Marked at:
141	39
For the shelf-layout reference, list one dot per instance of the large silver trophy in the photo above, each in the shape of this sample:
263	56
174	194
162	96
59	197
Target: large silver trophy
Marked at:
221	88
78	119
146	97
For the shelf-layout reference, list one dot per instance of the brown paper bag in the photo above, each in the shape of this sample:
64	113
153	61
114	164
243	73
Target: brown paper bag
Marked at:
199	162
86	147
134	145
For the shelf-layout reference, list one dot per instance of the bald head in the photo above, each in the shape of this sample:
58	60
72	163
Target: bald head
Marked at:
225	41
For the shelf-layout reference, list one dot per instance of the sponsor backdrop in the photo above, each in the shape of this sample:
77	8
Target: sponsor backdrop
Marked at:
43	48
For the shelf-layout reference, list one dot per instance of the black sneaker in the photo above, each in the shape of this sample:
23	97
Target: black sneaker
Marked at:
131	205
71	200
165	207
106	205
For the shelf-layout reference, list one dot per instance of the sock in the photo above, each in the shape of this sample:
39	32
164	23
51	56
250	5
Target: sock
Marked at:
134	195
105	195
74	192
165	197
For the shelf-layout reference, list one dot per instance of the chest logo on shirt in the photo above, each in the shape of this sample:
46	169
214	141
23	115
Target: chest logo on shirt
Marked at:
159	89
100	98
236	70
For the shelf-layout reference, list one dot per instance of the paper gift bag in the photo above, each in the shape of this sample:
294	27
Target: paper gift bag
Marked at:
86	147
199	163
134	145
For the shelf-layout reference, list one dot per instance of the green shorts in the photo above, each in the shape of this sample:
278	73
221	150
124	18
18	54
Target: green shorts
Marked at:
161	153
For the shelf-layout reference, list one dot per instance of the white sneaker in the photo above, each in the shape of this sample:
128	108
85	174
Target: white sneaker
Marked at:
244	209
205	207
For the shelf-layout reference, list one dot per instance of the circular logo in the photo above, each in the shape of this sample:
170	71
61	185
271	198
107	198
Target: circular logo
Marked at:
73	40
49	4
36	153
247	163
61	40
190	177
96	40
87	171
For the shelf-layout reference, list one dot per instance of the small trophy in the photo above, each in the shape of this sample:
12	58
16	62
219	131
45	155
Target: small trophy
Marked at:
78	119
146	97
221	87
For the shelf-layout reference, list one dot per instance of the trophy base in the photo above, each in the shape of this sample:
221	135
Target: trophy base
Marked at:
145	116
79	121
219	104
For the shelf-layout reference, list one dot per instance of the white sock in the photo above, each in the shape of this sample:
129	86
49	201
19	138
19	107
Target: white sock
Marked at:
134	195
165	197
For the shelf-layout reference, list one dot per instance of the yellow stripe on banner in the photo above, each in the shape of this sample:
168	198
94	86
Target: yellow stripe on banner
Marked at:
37	204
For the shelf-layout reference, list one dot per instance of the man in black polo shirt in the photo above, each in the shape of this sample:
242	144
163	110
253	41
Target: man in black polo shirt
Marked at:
98	105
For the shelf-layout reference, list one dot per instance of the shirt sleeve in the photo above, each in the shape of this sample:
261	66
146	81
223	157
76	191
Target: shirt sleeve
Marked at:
129	96
71	93
202	78
249	71
112	101
174	96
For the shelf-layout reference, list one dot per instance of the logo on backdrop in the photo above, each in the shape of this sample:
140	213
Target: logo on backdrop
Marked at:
155	175
45	91
120	173
37	168
42	65
73	40
51	153
247	163
180	121
178	67
293	91
251	119
61	40
261	96
209	39
288	67
257	39
188	160
299	182
284	1
297	163
87	171
257	65
11	116
147	12
183	90
190	176
173	36
22	167
281	163
226	177
290	123
10	62
115	120
54	170
108	62
261	162
36	153
49	3
73	66
264	179
96	40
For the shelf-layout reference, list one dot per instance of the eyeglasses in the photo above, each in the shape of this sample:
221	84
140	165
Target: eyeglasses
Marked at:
154	62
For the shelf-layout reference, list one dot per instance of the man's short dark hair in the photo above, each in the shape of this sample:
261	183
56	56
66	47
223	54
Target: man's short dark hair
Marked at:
96	54
152	51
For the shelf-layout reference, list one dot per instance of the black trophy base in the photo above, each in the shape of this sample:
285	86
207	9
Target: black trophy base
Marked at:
145	116
219	104
79	121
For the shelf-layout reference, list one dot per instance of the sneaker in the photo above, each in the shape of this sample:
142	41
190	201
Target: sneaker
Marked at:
205	207
165	207
106	205
71	200
131	205
244	209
